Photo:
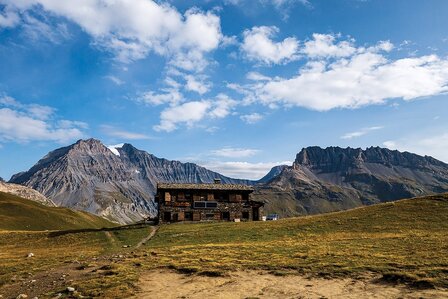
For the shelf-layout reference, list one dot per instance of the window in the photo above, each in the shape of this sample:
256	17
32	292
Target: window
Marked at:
205	204
199	204
181	196
212	204
188	216
220	196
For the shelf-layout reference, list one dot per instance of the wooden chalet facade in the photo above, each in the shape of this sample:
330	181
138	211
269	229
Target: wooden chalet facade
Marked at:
206	202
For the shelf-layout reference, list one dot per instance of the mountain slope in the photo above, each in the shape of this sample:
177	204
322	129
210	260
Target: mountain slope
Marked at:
118	184
331	179
26	193
273	173
17	213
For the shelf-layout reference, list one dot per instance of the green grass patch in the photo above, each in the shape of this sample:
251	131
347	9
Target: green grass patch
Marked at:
408	238
17	213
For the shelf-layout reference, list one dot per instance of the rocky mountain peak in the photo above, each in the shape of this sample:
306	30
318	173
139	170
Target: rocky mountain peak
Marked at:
336	158
89	146
118	181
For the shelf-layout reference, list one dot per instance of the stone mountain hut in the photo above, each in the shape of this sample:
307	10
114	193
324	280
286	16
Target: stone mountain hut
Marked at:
206	202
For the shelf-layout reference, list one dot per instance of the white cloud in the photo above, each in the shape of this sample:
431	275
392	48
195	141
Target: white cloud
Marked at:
24	123
230	152
169	96
115	80
122	134
254	76
222	106
430	145
243	170
196	84
360	133
187	113
190	113
365	77
251	118
39	111
323	45
258	46
37	28
9	18
132	29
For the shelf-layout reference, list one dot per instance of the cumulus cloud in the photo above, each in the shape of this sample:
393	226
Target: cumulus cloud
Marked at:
192	112
222	106
230	152
187	113
255	76
352	79
259	46
196	84
323	45
132	29
122	134
360	132
24	123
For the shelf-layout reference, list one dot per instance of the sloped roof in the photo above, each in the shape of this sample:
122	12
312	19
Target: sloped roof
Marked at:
228	187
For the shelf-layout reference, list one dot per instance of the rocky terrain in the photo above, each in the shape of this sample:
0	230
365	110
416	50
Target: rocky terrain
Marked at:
26	193
117	183
331	179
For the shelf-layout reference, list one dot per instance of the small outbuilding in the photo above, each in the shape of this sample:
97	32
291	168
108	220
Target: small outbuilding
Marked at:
206	202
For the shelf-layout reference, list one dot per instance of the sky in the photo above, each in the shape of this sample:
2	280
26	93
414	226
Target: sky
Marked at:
237	86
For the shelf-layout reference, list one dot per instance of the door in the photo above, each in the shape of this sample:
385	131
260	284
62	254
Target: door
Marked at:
167	216
255	214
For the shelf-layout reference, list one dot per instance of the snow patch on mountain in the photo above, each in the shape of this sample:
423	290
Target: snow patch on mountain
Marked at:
114	148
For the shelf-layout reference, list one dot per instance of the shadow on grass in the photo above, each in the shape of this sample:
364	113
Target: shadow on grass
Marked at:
104	229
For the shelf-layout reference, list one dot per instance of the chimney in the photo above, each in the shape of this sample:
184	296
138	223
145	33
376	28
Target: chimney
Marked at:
217	181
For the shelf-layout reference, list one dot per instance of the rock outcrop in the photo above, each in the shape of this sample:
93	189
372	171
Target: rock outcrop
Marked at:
331	179
26	193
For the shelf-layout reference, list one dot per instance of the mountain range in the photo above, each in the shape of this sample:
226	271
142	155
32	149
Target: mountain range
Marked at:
119	182
334	178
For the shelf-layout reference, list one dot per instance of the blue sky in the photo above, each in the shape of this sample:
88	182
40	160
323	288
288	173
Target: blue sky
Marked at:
237	86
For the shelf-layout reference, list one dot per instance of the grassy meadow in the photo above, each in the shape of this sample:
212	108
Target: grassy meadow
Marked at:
404	241
17	213
400	242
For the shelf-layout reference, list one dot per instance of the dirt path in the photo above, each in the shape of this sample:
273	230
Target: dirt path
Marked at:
254	284
146	239
111	239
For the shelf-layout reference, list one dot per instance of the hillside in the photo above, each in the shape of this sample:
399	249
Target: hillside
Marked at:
17	213
332	179
118	183
25	192
404	241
